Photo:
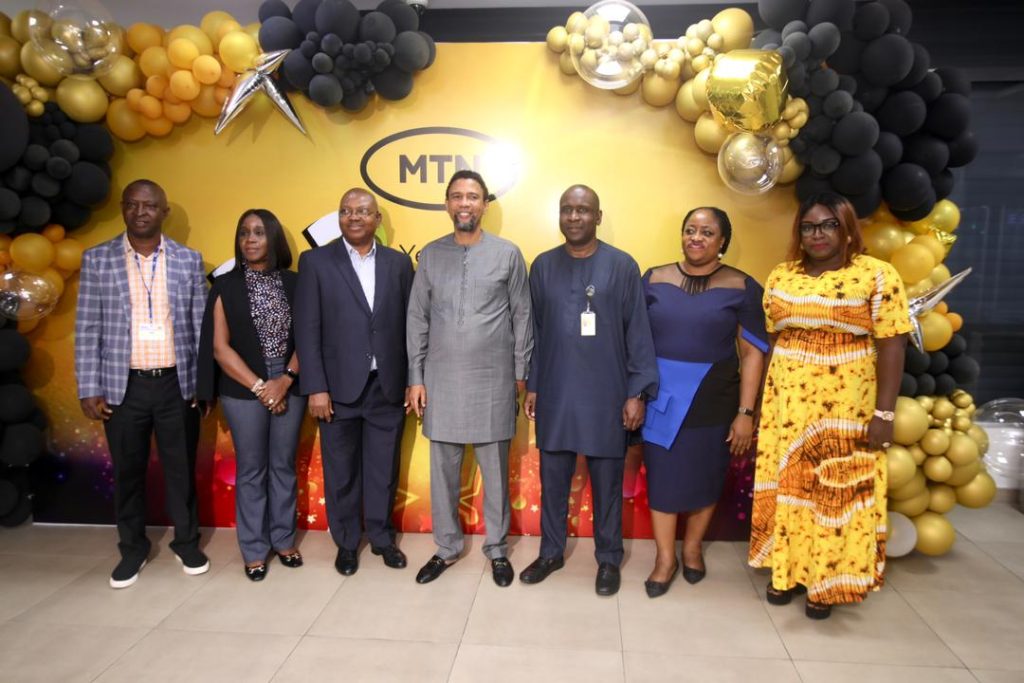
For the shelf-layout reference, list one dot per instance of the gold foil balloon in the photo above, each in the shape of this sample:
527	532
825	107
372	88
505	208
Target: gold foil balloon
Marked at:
978	492
911	421
616	33
935	534
82	99
747	89
124	75
749	163
943	498
26	296
82	38
901	466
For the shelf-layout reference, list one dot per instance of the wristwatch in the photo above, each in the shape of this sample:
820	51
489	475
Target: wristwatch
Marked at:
745	411
291	373
886	415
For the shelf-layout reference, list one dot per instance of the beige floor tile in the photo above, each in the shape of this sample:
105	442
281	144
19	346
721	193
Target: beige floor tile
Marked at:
883	629
192	657
59	539
1007	553
562	612
45	653
984	630
965	568
993	676
285	603
372	661
720	560
390	605
89	599
27	579
657	667
811	672
706	619
501	664
997	522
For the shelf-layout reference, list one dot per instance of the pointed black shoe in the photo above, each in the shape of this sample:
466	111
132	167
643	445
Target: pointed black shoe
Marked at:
434	567
655	589
540	568
257	573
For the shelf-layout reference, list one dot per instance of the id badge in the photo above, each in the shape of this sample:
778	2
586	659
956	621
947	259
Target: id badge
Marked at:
151	332
588	324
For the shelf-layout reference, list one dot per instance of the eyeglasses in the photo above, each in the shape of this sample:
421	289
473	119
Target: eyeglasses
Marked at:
827	227
362	212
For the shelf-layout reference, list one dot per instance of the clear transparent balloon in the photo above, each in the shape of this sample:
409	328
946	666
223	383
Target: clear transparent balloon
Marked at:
749	163
1003	422
79	37
606	47
26	296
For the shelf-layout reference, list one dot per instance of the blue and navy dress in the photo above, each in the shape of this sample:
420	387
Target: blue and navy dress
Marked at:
695	340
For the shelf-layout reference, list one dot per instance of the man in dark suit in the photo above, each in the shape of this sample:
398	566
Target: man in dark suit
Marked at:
140	309
350	336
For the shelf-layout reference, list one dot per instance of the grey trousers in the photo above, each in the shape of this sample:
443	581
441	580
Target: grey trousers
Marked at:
445	484
265	492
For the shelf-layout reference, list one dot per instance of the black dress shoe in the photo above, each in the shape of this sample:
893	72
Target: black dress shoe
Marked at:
292	560
257	573
501	570
783	597
693	575
540	568
434	567
347	562
608	579
393	557
655	589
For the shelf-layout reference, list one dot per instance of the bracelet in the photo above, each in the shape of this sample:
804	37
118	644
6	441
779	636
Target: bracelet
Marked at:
258	387
745	411
291	373
886	415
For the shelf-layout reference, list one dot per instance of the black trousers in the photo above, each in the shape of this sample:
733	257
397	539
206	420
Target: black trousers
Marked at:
153	405
360	448
556	470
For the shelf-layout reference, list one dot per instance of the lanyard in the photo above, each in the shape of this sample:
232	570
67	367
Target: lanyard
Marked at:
152	279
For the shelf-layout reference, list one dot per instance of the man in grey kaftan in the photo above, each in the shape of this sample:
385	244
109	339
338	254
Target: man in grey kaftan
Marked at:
469	338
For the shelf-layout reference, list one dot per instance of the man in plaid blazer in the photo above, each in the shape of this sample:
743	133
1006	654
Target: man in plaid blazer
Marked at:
140	309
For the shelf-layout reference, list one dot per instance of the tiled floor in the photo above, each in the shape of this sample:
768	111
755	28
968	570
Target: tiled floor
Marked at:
954	619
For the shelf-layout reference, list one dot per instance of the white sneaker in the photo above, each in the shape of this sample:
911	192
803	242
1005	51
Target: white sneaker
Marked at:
125	573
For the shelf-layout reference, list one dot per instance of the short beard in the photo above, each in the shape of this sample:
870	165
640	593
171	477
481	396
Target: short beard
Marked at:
468	226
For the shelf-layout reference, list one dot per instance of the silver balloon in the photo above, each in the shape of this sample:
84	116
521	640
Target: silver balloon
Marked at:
902	535
922	304
26	296
258	78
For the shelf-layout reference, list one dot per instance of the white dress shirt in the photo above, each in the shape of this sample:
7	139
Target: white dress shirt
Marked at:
366	271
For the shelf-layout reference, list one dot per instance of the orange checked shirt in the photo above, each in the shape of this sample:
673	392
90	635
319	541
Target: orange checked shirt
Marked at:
147	282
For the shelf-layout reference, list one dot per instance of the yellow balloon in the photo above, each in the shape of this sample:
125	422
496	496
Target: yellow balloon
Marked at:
919	288
913	506
181	52
962	450
10	57
150	108
53	232
156	86
917	483
124	75
67	254
686	106
700	89
934	442
936	331
629	88
20	24
945	216
32	252
791	171
565	64
933	245
709	133
184	85
980	437
939	274
5	25
34	65
238	50
964	473
978	492
943	498
206	69
557	39
735	27
917	454
211	22
194	34
943	408
124	122
935	534
913	262
229	26
56	281
82	99
158	127
911	421
205	104
253	29
938	468
901	466
882	239
657	91
177	113
142	36
154	61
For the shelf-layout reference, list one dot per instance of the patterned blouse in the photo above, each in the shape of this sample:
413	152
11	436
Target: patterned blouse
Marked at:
271	313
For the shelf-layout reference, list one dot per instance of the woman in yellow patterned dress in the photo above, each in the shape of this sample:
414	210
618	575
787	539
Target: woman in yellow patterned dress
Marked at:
838	323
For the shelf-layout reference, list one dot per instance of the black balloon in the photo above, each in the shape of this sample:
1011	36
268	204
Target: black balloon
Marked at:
956	345
14	123
825	160
930	87
65	149
887	60
838	104
848	84
309	48
18	178
899	16
964	369
70	215
378	27
945	384
35	212
795	26
855	133
325	90
45	186
954	80
10	204
922	62
393	83
35	157
928	152
16	403
339	17
800	44
870	20
938	362
906	186
919	211
769	35
808	185
279	33
331	44
824	81
273	8
21	512
819	129
322	63
58	168
925	385
88	184
304	15
21	444
431	49
298	70
94	142
857	175
411	51
942	184
865	204
788	55
847	57
915	362
948	116
824	39
355	101
778	13
902	113
908	385
838	12
962	149
889	149
403	15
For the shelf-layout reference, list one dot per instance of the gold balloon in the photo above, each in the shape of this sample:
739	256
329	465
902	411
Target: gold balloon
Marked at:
939	274
735	27
935	534
124	75
31	252
10	57
700	89
938	468
944	216
565	64
658	91
193	33
901	466
927	402
686	105
918	454
913	506
141	37
964	473
5	25
212	21
931	244
709	133
962	450
882	239
913	262
628	89
936	330
942	498
791	171
82	99
911	421
934	442
38	68
67	254
962	423
961	399
943	408
917	483
978	492
123	122
24	22
980	437
747	89
557	39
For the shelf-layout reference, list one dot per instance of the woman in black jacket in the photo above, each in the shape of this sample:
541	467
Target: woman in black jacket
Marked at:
247	359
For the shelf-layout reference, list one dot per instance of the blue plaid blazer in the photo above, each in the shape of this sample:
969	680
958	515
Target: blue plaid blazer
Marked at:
103	329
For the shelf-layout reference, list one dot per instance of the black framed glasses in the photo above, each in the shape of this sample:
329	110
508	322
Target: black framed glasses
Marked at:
826	227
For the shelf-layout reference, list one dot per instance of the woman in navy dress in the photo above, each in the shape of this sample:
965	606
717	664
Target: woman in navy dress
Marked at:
709	336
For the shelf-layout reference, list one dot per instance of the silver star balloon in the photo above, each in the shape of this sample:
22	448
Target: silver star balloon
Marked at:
922	304
256	79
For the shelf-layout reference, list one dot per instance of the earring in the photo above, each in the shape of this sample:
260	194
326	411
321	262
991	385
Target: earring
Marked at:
720	255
